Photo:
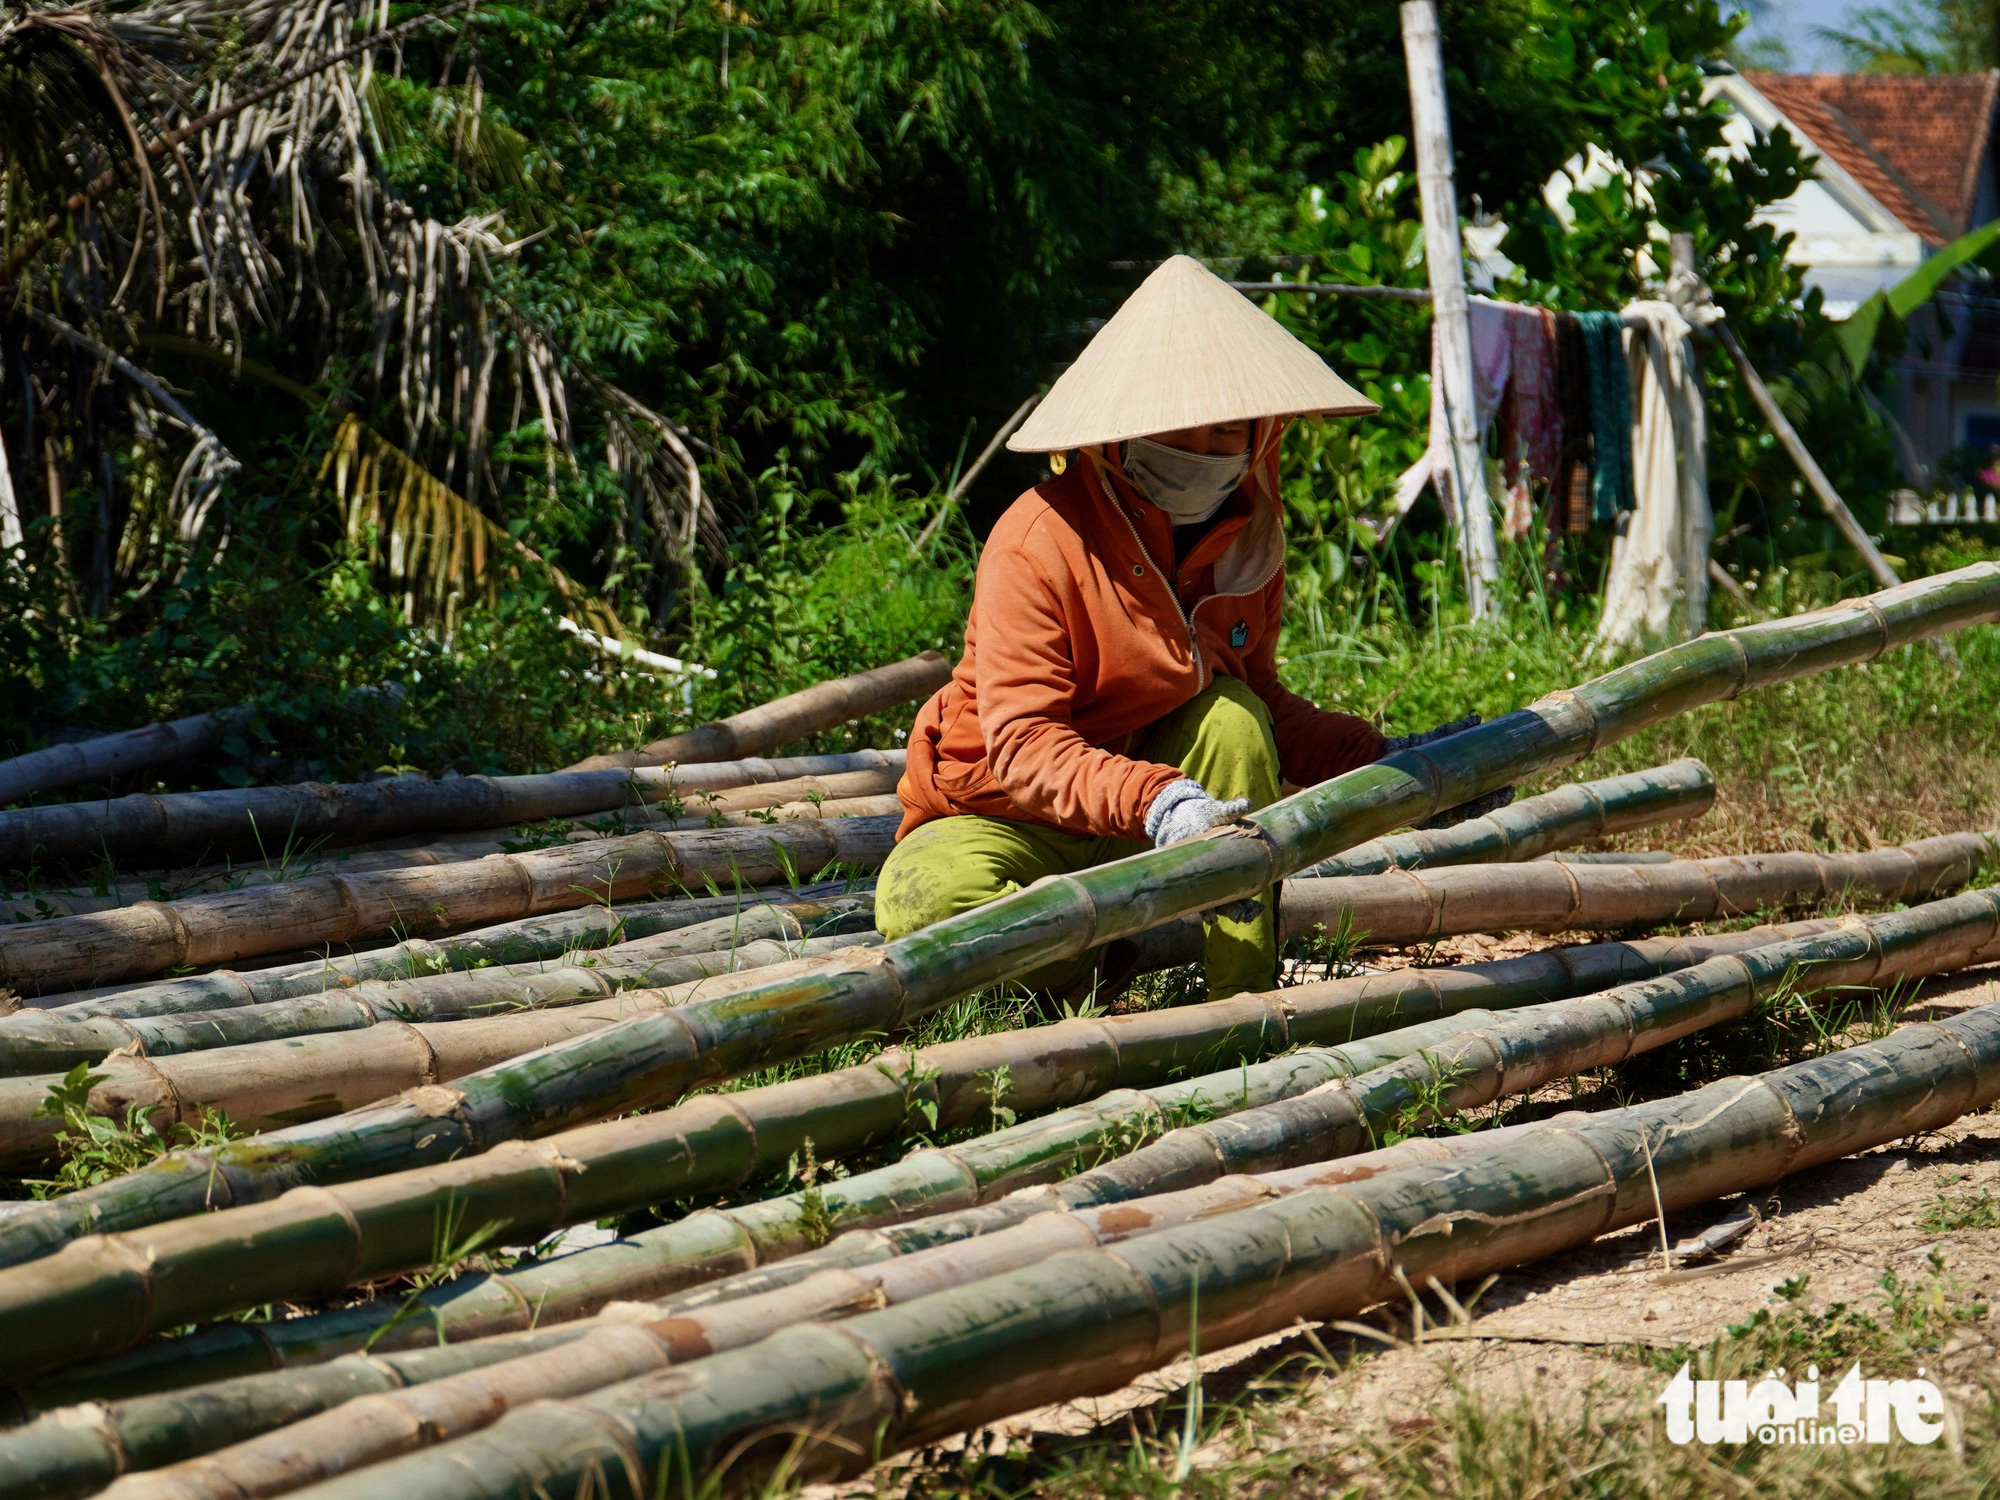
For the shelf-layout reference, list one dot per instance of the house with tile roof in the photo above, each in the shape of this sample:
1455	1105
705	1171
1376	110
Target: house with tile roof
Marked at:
1906	165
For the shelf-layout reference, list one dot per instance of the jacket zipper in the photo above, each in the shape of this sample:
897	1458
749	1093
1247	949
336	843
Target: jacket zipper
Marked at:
1187	616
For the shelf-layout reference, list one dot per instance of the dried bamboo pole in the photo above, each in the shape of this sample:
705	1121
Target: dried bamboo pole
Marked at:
54	1042
60	766
865	793
1407	907
312	1075
1535	826
1083	1321
196	1268
870	780
1193	1173
789	718
655	1059
268	821
141	940
530	940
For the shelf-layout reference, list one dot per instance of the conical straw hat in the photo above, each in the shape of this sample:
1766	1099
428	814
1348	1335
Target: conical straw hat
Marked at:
1185	350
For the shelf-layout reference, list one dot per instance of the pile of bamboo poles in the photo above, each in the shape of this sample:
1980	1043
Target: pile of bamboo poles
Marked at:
439	1087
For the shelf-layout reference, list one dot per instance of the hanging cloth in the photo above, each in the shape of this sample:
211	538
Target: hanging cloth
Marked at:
1492	362
1658	584
1530	417
1573	393
1610	414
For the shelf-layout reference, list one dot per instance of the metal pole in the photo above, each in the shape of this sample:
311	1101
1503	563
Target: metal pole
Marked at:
1444	257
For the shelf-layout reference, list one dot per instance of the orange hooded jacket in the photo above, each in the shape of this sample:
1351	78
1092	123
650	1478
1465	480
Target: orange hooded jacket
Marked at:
1078	642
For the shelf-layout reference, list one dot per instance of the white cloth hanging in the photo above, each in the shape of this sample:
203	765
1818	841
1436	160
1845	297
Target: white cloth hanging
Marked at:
1492	358
1658	584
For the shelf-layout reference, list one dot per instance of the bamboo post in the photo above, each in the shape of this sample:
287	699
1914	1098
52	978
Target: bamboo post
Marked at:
653	1060
1815	477
1444	259
135	941
792	717
1697	522
195	1269
1089	1320
1406	907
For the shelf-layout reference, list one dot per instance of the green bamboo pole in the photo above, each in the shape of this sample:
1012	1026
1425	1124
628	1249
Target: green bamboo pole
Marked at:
204	1267
263	1084
142	1433
263	822
140	940
1087	1321
1535	826
56	1041
654	1059
789	718
657	1058
529	940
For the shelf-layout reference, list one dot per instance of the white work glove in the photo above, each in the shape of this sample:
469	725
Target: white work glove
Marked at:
1181	809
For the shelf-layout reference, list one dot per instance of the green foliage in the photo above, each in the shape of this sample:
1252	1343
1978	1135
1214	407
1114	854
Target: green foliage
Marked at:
1937	36
91	1148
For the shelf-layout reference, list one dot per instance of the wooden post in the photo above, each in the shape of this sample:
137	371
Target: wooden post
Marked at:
1788	439
1444	256
1697	523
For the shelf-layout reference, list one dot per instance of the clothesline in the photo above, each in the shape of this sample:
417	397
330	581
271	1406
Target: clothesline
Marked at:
1388	293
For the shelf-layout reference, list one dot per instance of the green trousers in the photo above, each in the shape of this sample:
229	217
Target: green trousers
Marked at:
1222	738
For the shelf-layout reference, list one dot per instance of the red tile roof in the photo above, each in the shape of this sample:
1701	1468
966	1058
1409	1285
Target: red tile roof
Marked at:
1915	143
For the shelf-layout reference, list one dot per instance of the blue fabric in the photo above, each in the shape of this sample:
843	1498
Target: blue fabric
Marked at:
1610	415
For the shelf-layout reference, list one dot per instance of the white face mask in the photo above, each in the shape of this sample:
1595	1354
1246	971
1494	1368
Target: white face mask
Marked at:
1190	487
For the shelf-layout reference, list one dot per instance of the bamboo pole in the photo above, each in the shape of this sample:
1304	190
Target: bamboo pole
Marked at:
1398	910
145	1278
1445	261
142	1433
1193	1173
529	940
1086	1321
135	941
284	821
655	1059
59	766
1407	907
1815	477
863	793
1535	826
263	1084
792	717
55	1042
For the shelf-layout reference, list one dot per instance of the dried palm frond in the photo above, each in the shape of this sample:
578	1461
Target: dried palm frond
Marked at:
434	542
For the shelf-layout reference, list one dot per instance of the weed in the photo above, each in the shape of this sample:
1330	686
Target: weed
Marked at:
1967	1210
91	1148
